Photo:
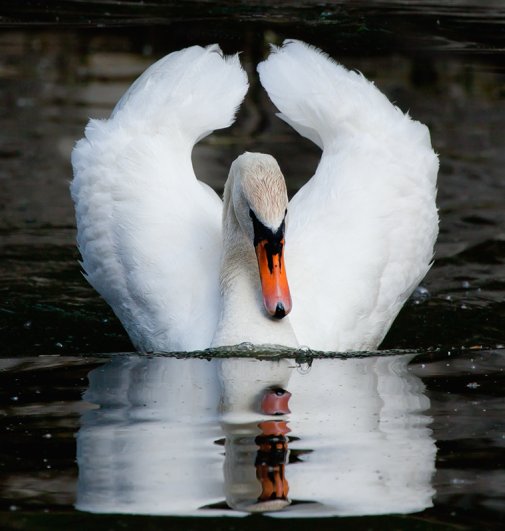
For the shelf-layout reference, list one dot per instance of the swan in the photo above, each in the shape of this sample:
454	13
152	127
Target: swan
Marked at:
184	271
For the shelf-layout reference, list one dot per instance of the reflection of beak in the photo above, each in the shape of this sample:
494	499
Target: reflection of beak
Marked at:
274	282
271	465
275	402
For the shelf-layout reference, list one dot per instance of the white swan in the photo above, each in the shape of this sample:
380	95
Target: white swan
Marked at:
356	240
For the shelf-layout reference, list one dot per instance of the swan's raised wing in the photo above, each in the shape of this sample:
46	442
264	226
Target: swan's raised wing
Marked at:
148	231
360	233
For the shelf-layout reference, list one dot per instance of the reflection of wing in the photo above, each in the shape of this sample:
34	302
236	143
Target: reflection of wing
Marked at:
360	233
147	446
364	420
148	231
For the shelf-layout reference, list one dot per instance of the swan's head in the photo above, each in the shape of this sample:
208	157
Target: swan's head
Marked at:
257	192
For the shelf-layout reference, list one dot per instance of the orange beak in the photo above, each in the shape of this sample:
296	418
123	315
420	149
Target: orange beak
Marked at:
274	282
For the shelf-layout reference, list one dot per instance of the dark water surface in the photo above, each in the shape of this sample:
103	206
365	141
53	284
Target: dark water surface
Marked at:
419	433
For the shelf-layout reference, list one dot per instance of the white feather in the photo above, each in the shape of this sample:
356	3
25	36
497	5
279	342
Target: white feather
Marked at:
360	233
142	216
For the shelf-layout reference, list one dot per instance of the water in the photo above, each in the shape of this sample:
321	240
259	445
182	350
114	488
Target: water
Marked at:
186	436
429	421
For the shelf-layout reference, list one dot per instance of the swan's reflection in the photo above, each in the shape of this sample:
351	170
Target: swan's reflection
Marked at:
347	437
149	447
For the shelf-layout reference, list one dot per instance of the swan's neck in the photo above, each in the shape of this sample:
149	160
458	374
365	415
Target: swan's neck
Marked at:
243	315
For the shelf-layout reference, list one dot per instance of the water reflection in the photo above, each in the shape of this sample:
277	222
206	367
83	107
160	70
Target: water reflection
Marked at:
233	436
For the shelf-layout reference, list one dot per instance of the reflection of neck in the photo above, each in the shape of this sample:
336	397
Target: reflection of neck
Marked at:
243	316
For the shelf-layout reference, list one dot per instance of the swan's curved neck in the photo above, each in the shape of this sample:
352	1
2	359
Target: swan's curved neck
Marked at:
243	315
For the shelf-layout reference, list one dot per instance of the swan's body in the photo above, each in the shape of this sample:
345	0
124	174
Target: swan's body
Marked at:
359	235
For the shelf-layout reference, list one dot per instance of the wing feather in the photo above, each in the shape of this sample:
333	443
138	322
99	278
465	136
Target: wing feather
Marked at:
360	233
149	233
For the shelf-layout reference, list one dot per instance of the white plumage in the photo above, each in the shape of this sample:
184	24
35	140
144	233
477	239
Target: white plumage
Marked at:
359	235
